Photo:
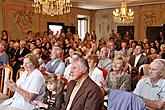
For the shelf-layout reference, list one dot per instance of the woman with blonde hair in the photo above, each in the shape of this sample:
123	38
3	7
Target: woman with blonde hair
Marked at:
117	79
29	87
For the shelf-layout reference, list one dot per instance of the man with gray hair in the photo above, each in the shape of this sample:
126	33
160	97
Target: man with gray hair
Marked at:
82	92
104	61
4	59
56	65
152	88
75	56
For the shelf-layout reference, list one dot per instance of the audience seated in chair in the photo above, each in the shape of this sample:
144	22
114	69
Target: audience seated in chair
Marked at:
152	88
4	59
117	79
136	60
94	72
54	97
75	56
29	87
56	65
82	92
104	61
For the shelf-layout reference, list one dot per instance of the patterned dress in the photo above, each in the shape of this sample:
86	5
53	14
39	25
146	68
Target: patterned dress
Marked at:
121	82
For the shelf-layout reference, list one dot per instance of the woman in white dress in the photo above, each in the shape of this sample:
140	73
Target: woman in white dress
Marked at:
28	88
94	72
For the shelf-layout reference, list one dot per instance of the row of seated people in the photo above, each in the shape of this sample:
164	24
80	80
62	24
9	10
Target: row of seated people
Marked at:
106	55
83	91
135	57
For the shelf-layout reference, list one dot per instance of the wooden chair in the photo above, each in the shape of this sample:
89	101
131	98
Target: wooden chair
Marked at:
7	74
104	71
19	72
128	69
65	80
143	68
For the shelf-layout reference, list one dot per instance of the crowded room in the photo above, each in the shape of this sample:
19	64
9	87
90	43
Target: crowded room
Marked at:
82	55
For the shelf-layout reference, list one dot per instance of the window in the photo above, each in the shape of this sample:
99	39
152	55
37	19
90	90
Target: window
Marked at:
82	26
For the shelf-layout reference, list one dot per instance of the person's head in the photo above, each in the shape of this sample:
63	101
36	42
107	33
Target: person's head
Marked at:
111	45
161	33
162	48
146	45
38	42
127	33
94	47
157	69
4	33
2	48
30	62
11	43
71	50
67	42
53	83
92	60
32	46
134	43
56	52
104	52
145	40
30	34
75	56
138	49
16	45
153	50
37	52
124	45
79	69
118	63
22	43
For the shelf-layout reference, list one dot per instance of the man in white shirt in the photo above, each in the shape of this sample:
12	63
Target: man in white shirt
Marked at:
136	60
152	88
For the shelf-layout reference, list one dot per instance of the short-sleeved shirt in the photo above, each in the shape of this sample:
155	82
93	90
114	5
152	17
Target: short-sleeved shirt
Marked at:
34	83
145	89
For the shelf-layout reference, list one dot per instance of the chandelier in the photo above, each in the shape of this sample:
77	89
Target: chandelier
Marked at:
52	7
122	16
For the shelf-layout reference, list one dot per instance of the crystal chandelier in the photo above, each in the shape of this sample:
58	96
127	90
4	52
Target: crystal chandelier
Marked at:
122	16
52	7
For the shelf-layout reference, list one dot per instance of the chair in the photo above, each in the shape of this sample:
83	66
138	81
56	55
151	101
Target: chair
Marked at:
128	69
19	72
104	72
7	74
143	69
64	79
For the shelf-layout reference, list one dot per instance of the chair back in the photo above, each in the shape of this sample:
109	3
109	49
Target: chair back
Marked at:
19	72
128	69
143	69
64	79
7	74
104	72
